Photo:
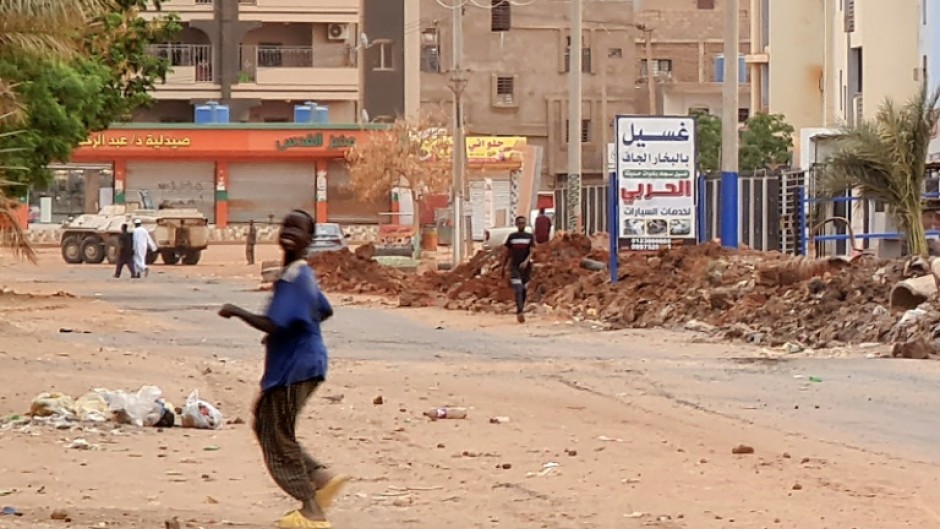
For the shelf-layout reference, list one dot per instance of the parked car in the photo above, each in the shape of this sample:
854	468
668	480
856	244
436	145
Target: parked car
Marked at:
494	238
329	238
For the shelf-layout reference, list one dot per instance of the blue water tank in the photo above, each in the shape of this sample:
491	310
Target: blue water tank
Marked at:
222	114
305	113
323	114
212	112
204	114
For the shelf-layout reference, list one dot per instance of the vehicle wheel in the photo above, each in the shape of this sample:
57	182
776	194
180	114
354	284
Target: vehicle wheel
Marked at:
112	248
93	250
170	257
72	250
152	257
192	257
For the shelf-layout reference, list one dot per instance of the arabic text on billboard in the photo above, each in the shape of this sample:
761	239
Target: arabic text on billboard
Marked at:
656	178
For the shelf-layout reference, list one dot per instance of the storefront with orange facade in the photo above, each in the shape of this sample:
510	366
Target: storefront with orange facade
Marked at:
235	173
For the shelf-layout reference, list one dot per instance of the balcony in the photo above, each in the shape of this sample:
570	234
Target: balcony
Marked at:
188	10
334	11
276	70
192	69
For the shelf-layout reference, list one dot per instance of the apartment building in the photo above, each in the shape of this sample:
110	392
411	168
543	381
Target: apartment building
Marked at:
517	54
686	38
930	58
833	62
263	57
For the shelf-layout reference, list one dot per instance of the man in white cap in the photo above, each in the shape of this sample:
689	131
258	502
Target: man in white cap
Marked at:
142	244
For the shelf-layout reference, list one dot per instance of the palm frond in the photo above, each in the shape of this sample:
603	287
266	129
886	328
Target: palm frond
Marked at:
12	236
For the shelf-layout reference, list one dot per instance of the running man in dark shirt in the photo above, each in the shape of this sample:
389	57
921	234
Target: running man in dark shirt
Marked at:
518	255
125	252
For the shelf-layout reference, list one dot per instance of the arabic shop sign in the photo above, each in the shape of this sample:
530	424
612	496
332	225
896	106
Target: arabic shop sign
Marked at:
152	141
655	163
315	140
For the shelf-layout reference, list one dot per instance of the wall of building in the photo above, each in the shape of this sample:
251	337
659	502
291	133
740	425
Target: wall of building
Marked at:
531	54
930	56
383	68
797	50
890	71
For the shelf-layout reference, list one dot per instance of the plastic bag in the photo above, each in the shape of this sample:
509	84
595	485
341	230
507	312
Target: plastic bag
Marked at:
145	408
52	404
200	414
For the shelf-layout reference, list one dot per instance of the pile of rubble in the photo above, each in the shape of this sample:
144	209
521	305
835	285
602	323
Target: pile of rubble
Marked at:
357	273
761	297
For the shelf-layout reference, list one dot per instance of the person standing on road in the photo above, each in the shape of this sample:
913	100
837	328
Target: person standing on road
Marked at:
543	227
295	365
143	243
250	241
518	255
125	252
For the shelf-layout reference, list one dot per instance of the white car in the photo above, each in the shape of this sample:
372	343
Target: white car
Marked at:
494	238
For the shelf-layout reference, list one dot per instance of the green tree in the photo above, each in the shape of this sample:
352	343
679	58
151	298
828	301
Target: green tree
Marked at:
766	142
884	159
708	141
40	30
63	101
120	41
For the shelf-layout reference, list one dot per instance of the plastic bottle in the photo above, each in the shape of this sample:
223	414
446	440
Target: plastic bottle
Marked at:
446	413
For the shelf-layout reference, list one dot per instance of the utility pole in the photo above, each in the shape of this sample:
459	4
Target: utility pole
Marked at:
729	130
458	84
575	51
650	72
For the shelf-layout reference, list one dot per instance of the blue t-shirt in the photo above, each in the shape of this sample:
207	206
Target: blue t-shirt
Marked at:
295	351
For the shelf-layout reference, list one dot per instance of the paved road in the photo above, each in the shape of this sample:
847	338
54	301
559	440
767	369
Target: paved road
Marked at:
887	406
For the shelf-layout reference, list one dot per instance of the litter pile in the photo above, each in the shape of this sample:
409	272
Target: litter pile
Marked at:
356	273
146	407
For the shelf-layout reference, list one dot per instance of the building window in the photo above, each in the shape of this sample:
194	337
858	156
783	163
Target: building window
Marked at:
699	111
500	15
585	57
660	66
706	4
430	51
506	91
383	55
585	131
503	91
615	53
849	18
743	114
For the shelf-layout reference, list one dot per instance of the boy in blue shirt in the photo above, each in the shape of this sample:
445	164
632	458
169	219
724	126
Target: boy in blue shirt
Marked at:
295	364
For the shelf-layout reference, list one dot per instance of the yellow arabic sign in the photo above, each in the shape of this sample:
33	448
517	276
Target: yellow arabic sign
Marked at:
495	148
152	141
482	149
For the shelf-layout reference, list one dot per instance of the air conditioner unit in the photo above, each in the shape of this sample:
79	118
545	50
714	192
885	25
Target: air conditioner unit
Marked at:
337	32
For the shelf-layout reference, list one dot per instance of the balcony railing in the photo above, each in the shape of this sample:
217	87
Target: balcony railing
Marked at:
189	63
282	61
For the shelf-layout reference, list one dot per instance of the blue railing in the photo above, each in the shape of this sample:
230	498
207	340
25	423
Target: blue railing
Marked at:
804	231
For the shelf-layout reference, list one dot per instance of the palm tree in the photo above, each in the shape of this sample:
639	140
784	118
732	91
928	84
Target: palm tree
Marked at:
45	29
884	159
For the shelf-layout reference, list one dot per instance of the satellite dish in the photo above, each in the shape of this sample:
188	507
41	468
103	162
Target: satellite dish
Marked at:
364	115
363	40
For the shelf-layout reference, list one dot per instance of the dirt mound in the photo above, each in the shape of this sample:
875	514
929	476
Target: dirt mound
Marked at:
479	284
343	271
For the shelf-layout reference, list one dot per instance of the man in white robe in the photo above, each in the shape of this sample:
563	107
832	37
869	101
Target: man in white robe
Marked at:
143	243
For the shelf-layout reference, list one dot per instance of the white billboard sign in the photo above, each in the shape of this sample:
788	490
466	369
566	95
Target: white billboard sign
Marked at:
656	178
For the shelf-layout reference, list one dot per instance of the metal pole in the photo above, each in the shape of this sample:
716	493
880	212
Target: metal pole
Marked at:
650	72
729	130
574	118
458	82
756	16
